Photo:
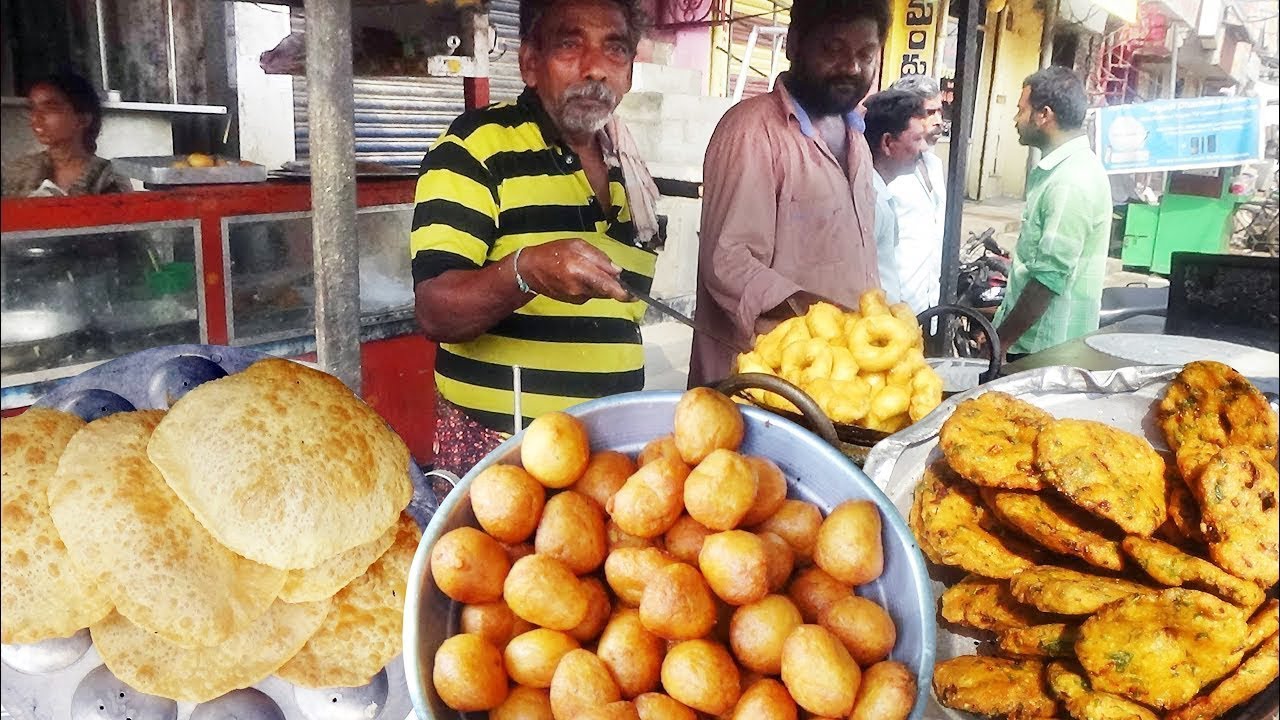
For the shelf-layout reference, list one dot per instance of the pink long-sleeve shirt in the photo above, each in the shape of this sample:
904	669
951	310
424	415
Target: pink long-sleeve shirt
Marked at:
779	215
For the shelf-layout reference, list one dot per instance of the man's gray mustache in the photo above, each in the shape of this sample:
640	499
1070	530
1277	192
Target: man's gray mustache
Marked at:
591	90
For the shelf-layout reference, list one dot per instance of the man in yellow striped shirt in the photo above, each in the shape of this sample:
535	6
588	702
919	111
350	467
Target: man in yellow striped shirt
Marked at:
526	221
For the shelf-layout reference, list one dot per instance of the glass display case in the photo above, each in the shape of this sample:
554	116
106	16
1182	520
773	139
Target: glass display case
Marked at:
76	296
269	281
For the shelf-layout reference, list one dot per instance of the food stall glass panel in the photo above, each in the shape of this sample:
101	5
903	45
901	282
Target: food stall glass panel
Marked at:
78	296
270	282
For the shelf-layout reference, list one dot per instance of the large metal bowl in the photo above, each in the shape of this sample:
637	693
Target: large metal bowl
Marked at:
815	471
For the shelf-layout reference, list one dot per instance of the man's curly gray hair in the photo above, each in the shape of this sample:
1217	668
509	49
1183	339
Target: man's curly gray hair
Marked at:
532	12
922	85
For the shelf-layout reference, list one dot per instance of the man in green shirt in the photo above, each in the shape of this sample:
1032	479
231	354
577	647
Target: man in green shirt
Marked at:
1055	280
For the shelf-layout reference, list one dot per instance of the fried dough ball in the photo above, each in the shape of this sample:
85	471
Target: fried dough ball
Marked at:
651	500
765	699
599	607
735	566
865	628
581	682
771	490
887	692
702	675
619	538
524	703
848	546
492	621
606	472
814	591
621	710
555	449
507	502
797	522
780	560
515	552
684	539
531	658
720	490
706	421
656	706
544	591
468	673
677	604
632	653
664	446
469	566
819	672
758	631
572	531
628	571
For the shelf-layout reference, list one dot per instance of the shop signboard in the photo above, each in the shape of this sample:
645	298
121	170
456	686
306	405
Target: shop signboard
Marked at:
1180	134
913	34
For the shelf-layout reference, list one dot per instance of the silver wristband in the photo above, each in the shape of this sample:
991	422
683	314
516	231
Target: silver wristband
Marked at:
515	266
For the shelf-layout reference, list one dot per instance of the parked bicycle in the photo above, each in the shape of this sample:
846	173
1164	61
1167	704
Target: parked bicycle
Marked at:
1256	224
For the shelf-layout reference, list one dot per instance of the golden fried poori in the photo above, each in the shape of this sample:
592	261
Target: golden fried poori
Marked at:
706	421
657	706
765	699
628	571
1057	525
677	604
797	522
990	440
507	502
531	658
684	539
1237	491
544	591
1125	484
993	687
1170	566
599	608
758	631
735	566
1050	641
468	673
865	628
581	682
1209	406
632	653
1084	703
702	675
986	604
1253	676
606	472
572	531
720	490
848	545
1161	649
651	500
327	578
469	566
492	621
771	490
819	672
555	449
814	591
524	703
887	692
1070	592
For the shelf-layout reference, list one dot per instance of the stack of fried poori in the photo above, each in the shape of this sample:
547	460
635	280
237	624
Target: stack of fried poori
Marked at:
683	582
1114	584
256	527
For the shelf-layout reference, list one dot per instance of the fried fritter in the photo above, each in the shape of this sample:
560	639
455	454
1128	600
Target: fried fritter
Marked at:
1184	513
1241	522
1108	472
954	528
1161	649
1209	406
1085	703
1252	677
1057	525
1170	566
989	440
1052	640
994	687
987	604
1069	592
1265	622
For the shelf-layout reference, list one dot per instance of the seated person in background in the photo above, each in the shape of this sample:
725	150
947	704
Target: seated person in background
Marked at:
66	117
895	131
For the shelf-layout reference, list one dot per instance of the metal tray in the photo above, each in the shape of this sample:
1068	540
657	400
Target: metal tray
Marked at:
1123	398
156	170
64	679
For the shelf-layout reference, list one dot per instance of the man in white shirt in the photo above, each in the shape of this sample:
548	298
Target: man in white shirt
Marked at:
920	202
895	131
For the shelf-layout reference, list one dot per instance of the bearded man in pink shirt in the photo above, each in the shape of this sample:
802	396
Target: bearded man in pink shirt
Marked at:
788	206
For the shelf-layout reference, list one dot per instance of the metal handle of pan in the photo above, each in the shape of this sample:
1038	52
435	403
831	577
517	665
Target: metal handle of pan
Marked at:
814	415
993	340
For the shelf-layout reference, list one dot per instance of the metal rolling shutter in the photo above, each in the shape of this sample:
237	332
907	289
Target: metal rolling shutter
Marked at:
504	73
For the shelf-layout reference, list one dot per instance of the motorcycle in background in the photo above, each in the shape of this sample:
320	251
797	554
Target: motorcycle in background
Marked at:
980	284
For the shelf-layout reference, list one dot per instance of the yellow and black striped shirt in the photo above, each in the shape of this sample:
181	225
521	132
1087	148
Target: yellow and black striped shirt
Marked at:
498	180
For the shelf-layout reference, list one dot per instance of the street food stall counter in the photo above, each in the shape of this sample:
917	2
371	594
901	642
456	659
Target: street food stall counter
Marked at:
88	279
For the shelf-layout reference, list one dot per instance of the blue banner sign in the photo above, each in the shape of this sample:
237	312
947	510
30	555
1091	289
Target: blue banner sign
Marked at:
1182	134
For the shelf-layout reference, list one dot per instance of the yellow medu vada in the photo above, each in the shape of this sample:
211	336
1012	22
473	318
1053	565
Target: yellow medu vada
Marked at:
879	342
